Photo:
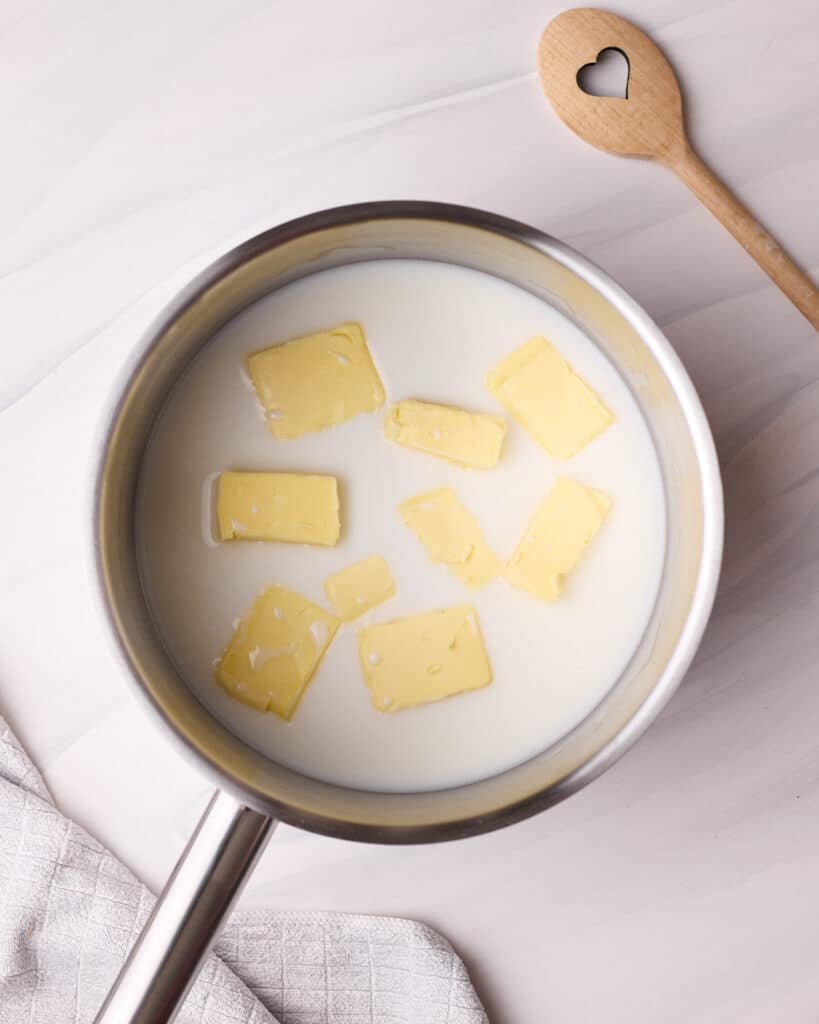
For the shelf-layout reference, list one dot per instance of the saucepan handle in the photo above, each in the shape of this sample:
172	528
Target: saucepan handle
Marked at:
179	933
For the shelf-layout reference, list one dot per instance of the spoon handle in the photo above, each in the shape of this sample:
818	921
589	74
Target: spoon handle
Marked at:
750	234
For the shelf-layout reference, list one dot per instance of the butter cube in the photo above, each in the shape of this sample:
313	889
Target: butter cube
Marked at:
472	439
451	536
275	651
555	405
561	530
295	507
423	658
317	381
359	587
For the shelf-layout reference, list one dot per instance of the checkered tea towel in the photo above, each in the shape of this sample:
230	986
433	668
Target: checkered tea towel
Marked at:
69	912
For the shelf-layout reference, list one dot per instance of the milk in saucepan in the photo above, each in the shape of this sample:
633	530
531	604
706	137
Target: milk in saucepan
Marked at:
434	331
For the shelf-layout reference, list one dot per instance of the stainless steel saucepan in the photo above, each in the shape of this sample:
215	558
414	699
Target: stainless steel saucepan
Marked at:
254	791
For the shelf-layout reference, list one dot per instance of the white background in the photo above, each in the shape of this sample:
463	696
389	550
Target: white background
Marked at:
141	140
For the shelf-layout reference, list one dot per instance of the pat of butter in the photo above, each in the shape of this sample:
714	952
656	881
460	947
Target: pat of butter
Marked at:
294	507
471	439
423	658
555	405
317	381
557	536
451	536
275	651
359	587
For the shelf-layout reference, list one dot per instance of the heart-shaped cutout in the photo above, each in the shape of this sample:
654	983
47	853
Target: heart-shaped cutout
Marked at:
607	77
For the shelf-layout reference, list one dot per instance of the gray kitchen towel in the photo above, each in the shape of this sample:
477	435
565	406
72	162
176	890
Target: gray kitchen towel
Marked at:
69	912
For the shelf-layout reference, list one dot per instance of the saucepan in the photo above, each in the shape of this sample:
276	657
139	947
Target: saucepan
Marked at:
253	791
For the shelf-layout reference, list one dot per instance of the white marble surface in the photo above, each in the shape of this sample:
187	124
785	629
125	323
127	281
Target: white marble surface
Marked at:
139	141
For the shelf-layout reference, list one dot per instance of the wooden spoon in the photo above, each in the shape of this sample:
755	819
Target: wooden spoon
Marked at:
648	122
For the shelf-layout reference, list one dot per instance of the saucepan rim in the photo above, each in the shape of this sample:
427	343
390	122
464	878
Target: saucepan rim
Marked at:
701	438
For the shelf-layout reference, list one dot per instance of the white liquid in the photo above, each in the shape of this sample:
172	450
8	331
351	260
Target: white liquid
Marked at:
434	331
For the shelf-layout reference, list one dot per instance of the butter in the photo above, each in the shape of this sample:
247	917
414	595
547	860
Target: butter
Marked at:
451	536
561	530
472	439
317	381
555	405
275	651
359	587
423	658
294	507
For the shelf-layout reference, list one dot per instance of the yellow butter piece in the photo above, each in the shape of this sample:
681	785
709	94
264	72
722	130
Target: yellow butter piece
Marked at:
451	536
294	507
555	405
472	439
360	587
317	381
557	536
275	651
423	658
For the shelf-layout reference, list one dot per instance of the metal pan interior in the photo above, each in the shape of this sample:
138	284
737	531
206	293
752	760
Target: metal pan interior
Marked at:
669	404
